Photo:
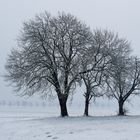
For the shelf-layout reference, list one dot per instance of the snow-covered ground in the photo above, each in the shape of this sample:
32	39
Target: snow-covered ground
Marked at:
45	124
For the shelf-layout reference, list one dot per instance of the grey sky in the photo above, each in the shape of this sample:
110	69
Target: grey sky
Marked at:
121	16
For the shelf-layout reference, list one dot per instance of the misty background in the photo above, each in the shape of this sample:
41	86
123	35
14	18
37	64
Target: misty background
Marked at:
121	16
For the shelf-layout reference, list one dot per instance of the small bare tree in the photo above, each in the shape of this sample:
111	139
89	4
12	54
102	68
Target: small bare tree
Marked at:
48	56
123	77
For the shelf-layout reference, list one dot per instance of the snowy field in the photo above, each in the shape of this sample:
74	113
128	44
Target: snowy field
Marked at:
45	124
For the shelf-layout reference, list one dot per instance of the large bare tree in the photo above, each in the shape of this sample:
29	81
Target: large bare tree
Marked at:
48	56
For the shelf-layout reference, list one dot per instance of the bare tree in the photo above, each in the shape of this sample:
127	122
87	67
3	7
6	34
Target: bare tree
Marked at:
92	81
48	56
123	77
95	62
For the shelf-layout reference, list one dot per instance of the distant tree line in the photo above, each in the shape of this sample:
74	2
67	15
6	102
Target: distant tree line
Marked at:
17	103
59	53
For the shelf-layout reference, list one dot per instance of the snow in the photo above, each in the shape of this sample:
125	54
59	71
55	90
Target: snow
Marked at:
45	124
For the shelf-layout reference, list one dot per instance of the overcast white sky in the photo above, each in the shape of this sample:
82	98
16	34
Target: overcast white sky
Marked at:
122	16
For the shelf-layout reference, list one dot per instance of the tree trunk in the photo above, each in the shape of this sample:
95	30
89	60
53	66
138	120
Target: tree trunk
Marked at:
121	109
86	111
63	106
86	108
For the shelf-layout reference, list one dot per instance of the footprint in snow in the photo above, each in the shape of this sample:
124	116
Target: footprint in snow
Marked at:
55	138
71	133
49	136
47	133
